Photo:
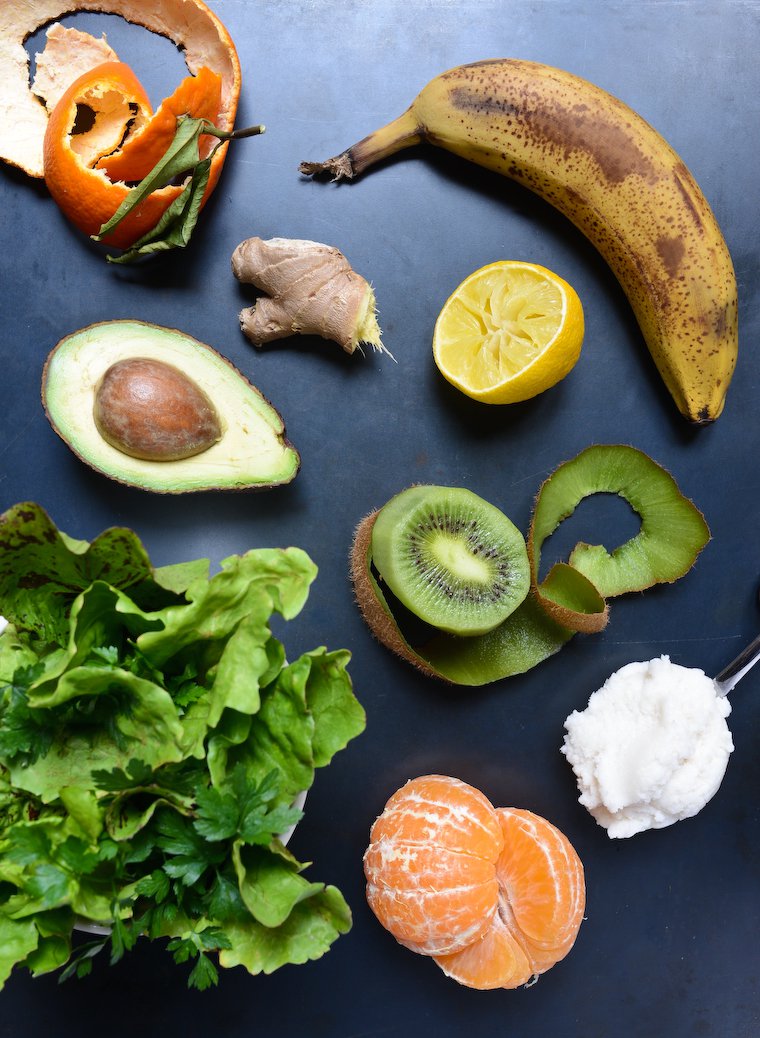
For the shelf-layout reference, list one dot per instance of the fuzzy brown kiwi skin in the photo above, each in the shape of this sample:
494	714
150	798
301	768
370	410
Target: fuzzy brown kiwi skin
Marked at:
376	618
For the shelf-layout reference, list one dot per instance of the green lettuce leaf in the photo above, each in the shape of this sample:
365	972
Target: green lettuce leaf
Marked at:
50	954
249	586
134	718
307	933
18	939
41	571
306	716
270	883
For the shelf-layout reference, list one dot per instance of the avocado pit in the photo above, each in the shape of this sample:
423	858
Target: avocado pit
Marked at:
151	410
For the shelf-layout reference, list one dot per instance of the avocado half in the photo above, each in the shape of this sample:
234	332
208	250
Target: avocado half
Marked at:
251	453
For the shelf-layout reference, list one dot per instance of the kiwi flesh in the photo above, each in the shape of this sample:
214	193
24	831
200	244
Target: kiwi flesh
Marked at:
454	560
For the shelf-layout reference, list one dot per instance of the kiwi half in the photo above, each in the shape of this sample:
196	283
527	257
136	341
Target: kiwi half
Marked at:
526	638
454	560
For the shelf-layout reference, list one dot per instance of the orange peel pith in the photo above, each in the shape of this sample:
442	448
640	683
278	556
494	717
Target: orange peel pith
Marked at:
190	24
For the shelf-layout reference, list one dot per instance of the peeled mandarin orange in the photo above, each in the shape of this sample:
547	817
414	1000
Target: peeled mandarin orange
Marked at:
496	897
510	331
86	182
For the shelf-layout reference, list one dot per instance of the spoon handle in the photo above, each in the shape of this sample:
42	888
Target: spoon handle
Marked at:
735	671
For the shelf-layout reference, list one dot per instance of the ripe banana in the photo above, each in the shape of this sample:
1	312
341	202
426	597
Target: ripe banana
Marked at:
616	178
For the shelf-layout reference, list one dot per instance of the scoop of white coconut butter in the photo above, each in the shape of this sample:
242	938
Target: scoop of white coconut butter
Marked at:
650	748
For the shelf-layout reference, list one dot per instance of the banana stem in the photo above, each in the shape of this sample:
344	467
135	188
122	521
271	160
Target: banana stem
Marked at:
401	133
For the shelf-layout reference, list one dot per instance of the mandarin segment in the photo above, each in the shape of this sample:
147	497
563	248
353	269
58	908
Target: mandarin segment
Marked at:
541	879
428	920
495	960
446	809
431	864
495	896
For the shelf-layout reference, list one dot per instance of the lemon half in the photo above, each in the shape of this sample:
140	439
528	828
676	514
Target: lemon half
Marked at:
508	332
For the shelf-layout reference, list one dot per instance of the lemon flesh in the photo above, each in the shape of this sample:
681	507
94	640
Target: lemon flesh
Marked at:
510	331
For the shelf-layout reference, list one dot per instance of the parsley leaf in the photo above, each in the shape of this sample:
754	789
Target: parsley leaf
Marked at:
204	973
225	902
80	964
188	854
123	936
156	885
217	815
136	773
241	809
104	655
25	733
77	856
49	883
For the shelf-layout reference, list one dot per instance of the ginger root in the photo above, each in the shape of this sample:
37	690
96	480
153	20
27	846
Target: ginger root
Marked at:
310	290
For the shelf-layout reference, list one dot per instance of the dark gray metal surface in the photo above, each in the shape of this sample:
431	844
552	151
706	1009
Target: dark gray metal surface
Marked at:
669	944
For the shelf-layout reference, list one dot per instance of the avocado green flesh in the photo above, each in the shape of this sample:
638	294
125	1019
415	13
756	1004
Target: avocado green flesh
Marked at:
252	452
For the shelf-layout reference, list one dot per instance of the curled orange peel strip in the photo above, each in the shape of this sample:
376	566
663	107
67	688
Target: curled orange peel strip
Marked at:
190	24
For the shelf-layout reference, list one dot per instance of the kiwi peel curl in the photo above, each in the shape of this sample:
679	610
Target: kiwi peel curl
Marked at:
672	534
572	597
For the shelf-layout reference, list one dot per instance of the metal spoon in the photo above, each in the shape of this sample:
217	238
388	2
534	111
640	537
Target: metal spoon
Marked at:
735	671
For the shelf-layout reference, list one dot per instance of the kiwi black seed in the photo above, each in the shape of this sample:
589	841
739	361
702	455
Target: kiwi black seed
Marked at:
453	559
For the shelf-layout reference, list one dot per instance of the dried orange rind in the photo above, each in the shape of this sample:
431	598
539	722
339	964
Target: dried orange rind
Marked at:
190	24
68	54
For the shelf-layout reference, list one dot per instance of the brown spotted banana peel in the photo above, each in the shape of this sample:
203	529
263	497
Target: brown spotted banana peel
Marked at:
606	169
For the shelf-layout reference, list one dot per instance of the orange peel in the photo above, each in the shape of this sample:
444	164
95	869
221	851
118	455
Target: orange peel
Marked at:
68	54
190	24
198	96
